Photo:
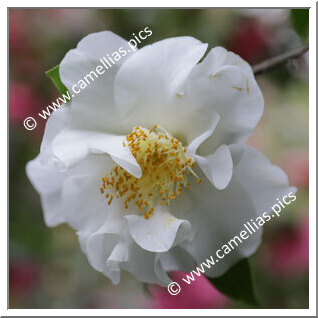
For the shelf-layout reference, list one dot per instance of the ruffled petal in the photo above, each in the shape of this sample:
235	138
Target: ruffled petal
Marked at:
195	144
159	232
47	180
111	253
71	146
265	182
73	195
225	83
148	87
217	166
98	248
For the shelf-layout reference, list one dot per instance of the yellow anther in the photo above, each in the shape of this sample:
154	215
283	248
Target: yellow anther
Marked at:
110	200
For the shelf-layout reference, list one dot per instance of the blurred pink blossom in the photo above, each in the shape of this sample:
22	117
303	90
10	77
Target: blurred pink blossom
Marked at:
23	102
250	40
288	253
18	30
200	294
23	276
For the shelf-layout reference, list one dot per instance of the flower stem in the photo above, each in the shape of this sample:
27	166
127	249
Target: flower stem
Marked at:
277	60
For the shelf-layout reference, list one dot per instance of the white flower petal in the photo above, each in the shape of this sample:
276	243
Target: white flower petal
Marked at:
47	180
90	50
216	217
93	107
110	253
253	190
44	177
53	213
159	232
65	192
194	145
158	72
98	248
236	152
84	207
264	181
225	83
177	259
71	146
161	273
145	266
99	44
218	167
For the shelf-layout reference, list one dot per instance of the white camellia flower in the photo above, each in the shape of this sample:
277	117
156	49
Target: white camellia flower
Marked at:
147	164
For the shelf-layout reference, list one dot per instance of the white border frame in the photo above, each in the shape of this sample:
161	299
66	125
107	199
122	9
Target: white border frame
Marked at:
157	312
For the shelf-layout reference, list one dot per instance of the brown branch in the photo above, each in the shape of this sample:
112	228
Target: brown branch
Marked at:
280	59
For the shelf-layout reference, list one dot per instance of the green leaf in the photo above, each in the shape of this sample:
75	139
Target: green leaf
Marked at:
300	21
54	75
237	283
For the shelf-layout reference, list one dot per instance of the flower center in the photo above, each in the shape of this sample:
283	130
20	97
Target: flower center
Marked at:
165	169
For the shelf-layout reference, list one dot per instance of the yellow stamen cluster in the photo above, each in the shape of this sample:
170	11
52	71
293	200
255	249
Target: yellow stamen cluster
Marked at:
165	168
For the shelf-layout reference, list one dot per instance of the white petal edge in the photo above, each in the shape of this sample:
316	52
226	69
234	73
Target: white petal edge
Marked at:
218	166
263	180
224	82
92	47
159	232
151	94
70	146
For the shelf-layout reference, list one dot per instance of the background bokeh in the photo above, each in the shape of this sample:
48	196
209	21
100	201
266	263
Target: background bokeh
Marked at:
47	268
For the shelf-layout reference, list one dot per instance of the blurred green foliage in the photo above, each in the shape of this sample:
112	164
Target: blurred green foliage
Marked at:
237	283
300	21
